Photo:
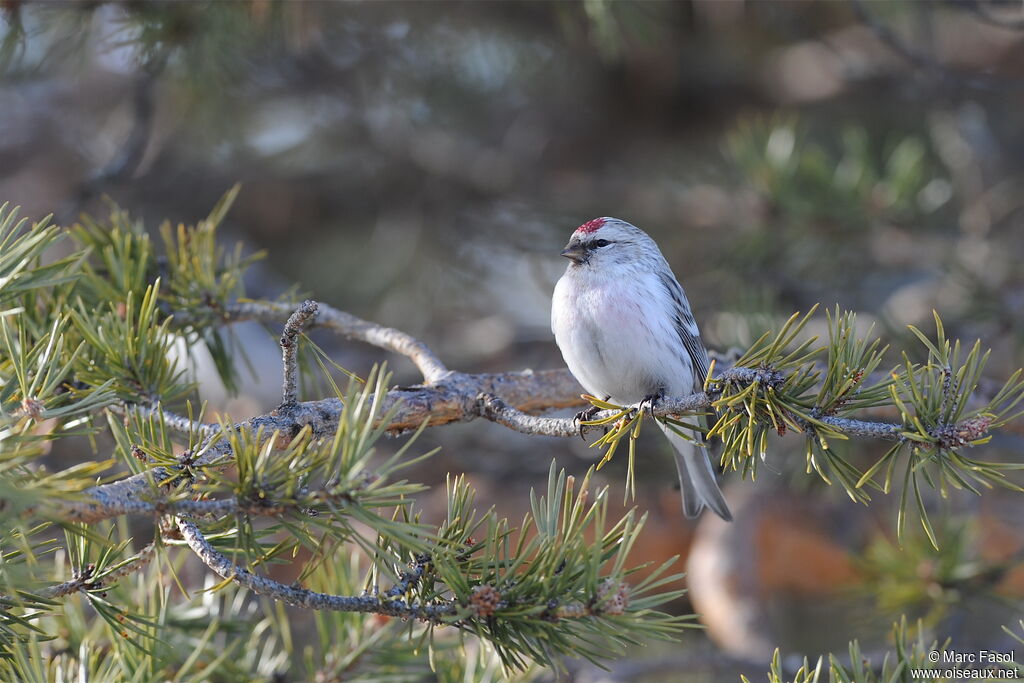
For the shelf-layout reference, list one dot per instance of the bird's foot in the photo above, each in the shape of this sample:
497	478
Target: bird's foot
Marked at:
649	401
583	416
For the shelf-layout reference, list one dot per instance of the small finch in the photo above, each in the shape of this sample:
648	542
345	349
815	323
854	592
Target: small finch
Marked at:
625	329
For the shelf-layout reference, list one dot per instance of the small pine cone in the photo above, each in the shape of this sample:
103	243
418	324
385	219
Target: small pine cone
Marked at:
33	407
973	428
961	434
613	596
485	600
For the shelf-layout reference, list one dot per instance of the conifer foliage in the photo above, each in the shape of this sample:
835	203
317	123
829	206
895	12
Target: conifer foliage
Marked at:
98	558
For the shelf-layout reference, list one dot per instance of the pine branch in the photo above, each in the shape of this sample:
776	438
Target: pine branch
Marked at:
117	506
305	464
435	613
289	349
348	325
178	423
494	409
117	501
504	398
88	578
557	591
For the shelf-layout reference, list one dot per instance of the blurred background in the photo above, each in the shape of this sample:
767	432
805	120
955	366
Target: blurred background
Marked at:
421	165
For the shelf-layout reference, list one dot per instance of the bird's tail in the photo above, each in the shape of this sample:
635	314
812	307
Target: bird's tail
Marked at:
697	481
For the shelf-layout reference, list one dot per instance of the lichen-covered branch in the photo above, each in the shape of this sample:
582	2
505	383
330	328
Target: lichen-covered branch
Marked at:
129	496
173	421
290	348
491	407
442	405
134	494
349	326
512	399
210	507
87	579
185	508
301	597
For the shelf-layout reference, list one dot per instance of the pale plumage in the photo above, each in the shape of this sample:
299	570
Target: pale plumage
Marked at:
626	332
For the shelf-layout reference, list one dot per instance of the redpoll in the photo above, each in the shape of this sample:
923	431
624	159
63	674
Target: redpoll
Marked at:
626	332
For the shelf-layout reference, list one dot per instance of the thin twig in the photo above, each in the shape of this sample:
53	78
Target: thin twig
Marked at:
350	326
289	349
172	420
85	578
141	559
78	583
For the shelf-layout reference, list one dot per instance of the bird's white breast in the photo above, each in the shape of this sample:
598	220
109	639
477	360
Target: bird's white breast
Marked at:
617	335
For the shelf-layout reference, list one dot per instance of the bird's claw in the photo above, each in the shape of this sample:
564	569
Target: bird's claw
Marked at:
648	402
583	416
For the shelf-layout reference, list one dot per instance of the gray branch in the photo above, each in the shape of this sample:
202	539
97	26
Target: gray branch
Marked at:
290	347
86	579
494	409
178	423
511	399
219	507
186	508
869	428
349	326
435	613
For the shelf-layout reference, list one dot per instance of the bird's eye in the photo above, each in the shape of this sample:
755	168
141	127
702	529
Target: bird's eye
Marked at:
600	243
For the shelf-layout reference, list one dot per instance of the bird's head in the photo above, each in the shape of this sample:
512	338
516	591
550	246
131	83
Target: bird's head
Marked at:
605	241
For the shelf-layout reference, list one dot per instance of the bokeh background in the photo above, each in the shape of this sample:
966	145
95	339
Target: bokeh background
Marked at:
421	164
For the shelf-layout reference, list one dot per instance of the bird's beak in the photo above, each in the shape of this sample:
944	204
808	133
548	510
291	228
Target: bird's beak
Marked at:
575	254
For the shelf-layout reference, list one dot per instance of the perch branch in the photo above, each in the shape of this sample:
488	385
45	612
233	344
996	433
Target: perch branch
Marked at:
511	399
502	398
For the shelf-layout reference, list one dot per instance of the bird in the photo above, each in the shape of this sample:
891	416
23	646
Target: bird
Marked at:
627	334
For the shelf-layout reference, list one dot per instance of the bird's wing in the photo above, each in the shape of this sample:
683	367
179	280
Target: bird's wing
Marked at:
689	334
686	328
